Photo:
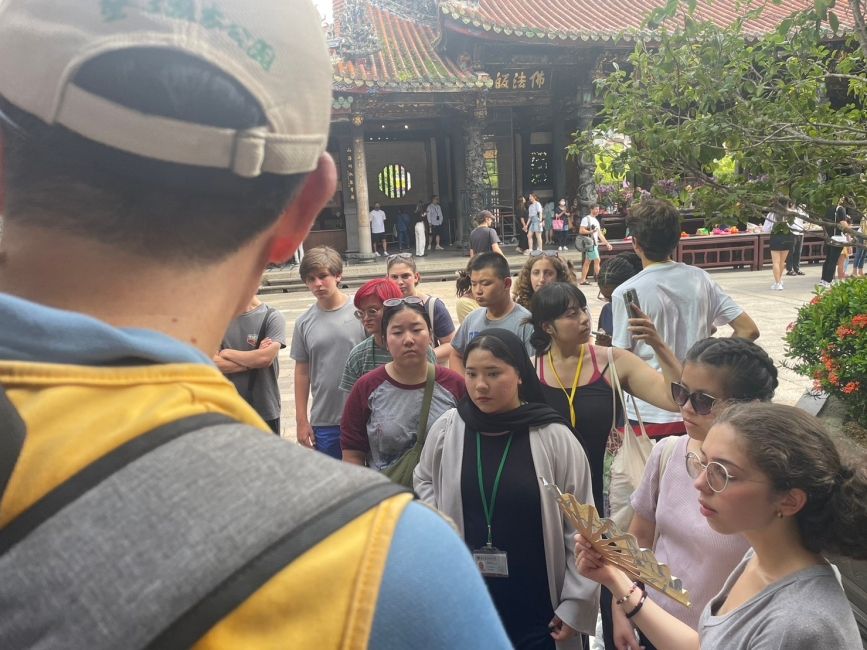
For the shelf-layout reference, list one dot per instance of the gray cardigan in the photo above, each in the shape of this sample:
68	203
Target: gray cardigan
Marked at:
557	457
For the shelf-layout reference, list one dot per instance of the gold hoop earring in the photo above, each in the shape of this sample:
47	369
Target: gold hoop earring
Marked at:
779	515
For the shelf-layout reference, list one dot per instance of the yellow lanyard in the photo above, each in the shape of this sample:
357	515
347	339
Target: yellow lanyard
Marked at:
569	396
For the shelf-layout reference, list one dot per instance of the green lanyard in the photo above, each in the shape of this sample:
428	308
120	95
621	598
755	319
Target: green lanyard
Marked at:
489	511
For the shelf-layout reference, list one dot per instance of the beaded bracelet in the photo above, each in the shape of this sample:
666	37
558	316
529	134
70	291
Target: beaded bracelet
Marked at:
622	600
638	606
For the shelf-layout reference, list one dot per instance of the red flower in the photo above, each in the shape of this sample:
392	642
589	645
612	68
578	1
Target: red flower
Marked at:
833	379
816	300
851	387
817	386
843	332
860	320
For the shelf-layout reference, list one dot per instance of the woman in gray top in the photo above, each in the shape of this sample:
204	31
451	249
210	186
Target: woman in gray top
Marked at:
771	473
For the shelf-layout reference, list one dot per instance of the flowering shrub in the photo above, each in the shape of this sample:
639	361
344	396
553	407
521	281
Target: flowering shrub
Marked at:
828	342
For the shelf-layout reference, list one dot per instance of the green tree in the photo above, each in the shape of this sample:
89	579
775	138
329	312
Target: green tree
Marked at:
787	107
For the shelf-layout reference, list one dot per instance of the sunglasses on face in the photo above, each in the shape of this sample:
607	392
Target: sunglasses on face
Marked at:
702	403
373	312
715	474
538	253
409	300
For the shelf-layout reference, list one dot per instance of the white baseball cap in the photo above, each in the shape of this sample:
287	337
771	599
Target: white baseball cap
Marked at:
275	49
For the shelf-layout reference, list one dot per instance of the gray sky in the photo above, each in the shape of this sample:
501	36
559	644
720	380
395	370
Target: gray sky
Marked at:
324	7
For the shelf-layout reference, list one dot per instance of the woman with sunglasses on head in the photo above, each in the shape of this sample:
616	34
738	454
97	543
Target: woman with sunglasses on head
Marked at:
481	467
382	416
402	270
716	371
771	474
371	352
543	267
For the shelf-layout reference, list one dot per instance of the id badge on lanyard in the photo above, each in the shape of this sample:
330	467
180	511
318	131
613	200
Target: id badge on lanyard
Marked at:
492	562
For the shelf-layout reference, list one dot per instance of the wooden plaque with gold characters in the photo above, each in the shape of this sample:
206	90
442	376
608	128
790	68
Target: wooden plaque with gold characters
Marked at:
618	548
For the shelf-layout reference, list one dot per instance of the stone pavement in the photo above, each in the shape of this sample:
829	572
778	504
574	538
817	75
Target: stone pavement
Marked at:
772	311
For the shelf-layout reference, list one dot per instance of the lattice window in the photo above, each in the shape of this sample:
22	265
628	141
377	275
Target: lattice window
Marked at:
395	181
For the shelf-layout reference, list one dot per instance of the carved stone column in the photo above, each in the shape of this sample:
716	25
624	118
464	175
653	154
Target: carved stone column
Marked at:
587	196
476	179
365	247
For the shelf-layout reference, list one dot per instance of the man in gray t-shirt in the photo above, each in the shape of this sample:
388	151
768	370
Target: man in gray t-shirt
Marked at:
248	358
477	322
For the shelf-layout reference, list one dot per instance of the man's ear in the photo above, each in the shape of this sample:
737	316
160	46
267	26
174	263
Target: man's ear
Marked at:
297	218
507	282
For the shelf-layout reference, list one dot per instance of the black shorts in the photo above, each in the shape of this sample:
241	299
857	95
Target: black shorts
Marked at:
436	230
781	242
380	236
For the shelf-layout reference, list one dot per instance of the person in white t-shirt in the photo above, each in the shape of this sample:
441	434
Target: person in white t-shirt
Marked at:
377	229
590	227
683	301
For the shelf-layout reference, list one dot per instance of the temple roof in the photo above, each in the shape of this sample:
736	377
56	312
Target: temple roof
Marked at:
406	60
568	21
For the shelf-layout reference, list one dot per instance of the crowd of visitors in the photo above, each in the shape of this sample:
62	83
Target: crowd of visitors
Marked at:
144	501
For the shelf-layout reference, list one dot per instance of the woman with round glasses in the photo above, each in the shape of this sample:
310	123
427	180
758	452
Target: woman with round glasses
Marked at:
543	267
382	416
772	474
402	270
716	371
371	352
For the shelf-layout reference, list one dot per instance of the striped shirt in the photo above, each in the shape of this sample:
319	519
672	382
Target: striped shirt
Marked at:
367	356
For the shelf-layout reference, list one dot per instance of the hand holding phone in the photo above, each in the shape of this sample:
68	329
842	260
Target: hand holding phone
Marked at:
630	297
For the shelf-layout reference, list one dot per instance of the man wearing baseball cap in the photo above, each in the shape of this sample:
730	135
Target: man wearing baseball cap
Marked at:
156	155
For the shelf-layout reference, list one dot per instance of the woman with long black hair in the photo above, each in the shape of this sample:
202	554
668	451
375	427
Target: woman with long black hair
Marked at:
481	466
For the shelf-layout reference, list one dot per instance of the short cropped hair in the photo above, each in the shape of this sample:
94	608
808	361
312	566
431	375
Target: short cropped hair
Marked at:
655	225
483	216
490	260
59	180
381	288
321	258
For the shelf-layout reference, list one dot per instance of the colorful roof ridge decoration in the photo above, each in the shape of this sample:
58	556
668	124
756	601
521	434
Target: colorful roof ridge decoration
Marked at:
405	62
569	21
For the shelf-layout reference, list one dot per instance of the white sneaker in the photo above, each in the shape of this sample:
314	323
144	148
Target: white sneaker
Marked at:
774	286
526	252
779	286
822	283
377	253
440	248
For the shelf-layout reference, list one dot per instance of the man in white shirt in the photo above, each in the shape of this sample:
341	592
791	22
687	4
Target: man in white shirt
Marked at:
435	219
590	227
683	301
377	229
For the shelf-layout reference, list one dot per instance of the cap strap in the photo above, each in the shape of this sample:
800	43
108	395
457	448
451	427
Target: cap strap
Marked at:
247	153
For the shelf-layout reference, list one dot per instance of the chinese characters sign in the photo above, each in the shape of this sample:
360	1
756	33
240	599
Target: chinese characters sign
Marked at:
210	17
521	80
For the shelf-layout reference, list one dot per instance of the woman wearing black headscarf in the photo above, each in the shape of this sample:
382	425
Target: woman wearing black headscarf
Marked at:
481	467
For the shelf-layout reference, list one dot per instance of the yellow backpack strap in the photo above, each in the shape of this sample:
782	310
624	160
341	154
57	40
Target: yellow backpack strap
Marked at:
12	433
190	626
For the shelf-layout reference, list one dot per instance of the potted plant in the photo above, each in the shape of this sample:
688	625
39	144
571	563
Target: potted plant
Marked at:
828	343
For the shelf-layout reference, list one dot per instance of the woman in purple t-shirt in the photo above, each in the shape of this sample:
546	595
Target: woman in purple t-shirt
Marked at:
717	371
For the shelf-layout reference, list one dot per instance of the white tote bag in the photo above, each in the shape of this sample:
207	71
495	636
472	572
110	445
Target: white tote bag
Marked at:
627	467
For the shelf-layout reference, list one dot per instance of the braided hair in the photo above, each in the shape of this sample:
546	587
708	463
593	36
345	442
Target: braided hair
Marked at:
618	269
748	372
